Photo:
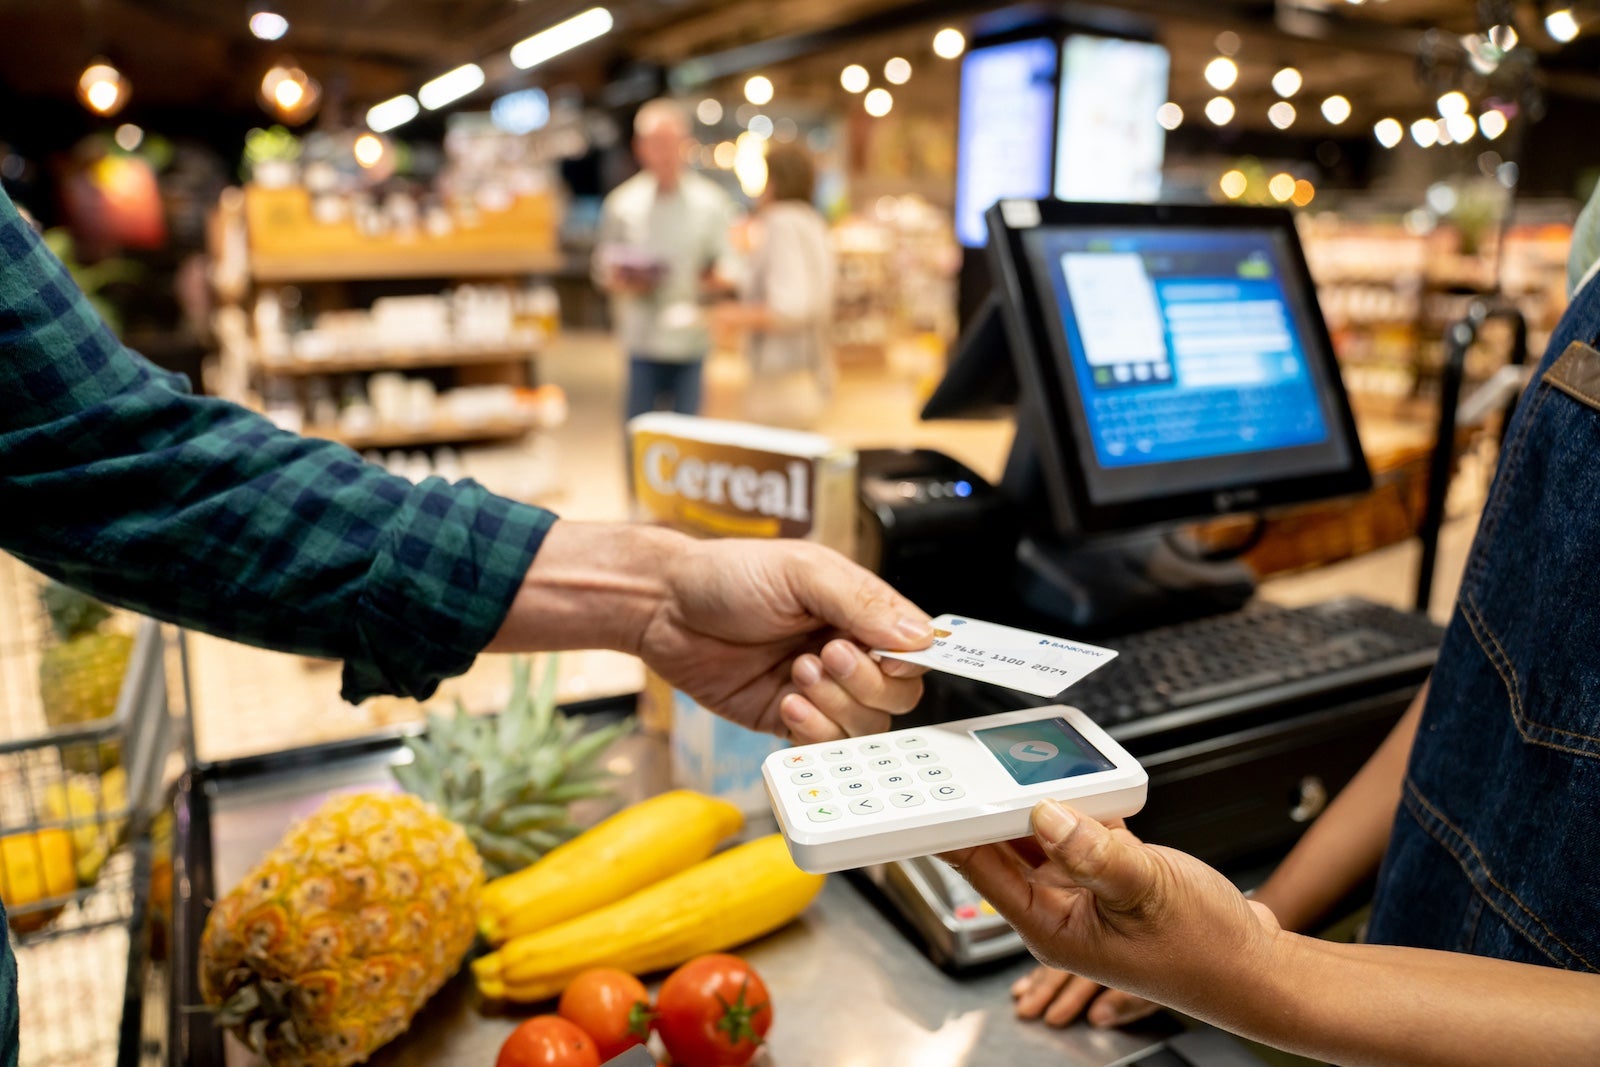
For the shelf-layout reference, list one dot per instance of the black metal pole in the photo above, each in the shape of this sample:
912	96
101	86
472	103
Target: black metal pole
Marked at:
1458	339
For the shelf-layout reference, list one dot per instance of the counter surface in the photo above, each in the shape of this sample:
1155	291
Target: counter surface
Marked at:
848	989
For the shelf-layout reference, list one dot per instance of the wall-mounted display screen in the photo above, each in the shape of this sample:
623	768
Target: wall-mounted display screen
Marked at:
1109	145
1005	144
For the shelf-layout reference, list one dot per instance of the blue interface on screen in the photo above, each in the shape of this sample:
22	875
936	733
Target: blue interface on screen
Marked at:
1183	345
1045	750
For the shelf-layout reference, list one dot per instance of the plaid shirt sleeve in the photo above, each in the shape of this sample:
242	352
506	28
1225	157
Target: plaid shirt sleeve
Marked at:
193	510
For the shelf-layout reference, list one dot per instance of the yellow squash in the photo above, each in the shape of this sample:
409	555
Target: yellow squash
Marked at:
725	901
33	867
634	848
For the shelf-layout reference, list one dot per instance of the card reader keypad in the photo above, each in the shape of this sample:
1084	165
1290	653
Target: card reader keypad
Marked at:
908	774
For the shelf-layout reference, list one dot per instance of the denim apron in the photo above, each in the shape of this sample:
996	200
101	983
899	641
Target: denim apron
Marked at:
1495	849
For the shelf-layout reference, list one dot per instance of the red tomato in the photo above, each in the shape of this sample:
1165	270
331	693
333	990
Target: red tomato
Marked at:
610	1006
713	1012
548	1041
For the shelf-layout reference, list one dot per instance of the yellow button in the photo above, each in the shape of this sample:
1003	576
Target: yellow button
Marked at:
986	907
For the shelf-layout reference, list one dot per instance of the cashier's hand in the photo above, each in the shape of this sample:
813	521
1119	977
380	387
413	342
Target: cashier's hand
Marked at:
771	634
1109	910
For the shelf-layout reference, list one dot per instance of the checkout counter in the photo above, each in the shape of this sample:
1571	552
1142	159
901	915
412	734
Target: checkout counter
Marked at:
1115	319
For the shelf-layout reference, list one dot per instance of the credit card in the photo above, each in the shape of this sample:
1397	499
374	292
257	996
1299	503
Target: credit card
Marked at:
1006	656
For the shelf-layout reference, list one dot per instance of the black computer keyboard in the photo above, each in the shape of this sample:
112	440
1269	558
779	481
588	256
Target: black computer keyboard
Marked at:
1263	656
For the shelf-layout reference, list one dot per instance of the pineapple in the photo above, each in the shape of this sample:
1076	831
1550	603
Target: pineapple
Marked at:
330	946
508	781
81	674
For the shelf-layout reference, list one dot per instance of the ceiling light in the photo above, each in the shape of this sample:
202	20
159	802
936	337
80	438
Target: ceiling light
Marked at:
268	25
761	126
1281	114
855	78
724	154
128	137
1233	184
758	90
1286	82
1170	116
289	93
878	103
1219	109
1425	133
1281	186
1336	109
368	150
897	71
709	112
949	43
562	37
393	112
1228	43
521	111
785	130
1304	193
1503	37
1461	128
450	86
1442	129
1453	103
1221	73
102	88
750	164
1561	25
1492	123
1389	132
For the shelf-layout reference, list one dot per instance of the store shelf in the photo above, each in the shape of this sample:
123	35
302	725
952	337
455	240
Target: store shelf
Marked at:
398	359
389	260
441	431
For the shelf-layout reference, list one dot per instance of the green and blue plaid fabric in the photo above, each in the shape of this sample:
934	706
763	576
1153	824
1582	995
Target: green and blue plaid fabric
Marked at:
116	480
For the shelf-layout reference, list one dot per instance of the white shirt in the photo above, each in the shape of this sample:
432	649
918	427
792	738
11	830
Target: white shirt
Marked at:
792	274
686	231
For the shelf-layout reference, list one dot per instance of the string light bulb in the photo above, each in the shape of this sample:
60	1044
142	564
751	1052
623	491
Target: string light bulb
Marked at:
949	43
102	88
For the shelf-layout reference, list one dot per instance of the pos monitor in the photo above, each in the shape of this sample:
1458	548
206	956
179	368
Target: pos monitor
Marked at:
1171	361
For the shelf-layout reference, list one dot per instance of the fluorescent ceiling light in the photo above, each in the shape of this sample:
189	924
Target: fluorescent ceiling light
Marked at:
391	113
450	86
562	37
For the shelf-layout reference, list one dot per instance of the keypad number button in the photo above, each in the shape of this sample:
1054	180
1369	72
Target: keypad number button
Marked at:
866	806
884	763
806	777
855	785
894	781
933	774
846	770
835	754
923	757
912	741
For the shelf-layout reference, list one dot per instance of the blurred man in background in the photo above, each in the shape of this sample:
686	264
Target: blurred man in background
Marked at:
662	234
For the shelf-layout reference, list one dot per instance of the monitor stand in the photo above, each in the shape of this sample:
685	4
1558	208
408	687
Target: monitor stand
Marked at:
1126	582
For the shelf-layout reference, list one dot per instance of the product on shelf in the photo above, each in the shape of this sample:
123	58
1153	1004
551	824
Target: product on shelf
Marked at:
34	867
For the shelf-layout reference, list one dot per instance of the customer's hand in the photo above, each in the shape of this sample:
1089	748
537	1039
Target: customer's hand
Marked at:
770	634
1117	912
766	633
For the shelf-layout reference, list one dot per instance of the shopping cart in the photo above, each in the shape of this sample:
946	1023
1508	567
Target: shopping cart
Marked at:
73	802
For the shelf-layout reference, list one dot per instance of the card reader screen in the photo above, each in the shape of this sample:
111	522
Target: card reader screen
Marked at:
1045	750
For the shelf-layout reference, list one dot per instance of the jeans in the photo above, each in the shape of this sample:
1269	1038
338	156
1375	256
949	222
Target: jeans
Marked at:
654	383
1496	845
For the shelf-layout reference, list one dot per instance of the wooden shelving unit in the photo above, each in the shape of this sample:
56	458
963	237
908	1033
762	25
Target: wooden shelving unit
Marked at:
440	432
398	359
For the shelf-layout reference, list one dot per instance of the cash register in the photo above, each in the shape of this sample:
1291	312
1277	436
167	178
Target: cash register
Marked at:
1165	363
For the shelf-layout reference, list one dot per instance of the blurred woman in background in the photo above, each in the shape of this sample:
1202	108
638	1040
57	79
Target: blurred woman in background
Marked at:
787	298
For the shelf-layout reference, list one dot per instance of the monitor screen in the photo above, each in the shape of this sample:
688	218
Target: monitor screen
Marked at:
1007	115
1178	358
1109	145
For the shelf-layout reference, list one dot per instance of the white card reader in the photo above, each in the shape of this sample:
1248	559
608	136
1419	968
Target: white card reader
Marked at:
929	789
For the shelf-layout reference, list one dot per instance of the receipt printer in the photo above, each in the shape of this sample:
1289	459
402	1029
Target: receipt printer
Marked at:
935	530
